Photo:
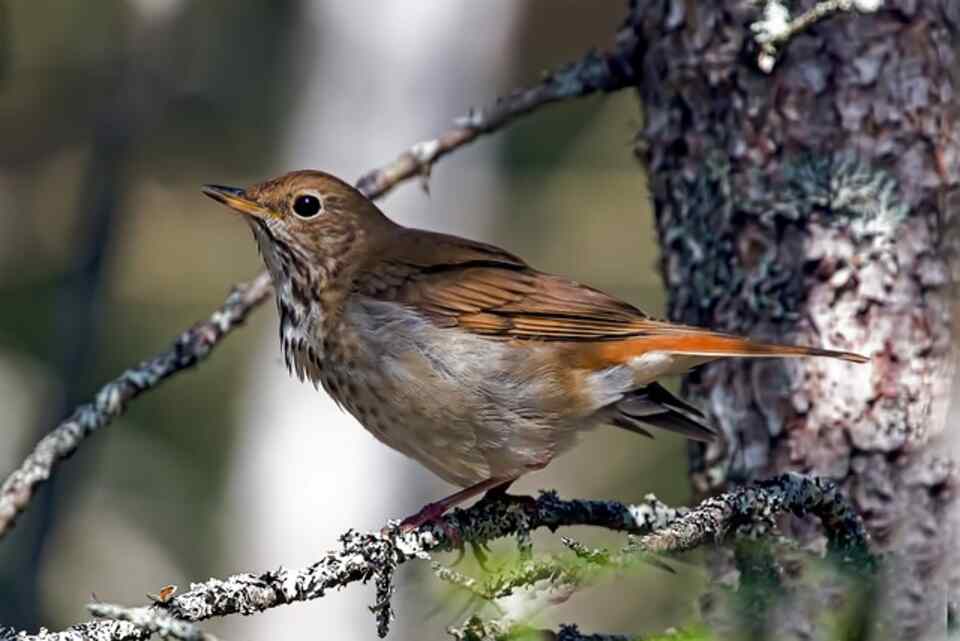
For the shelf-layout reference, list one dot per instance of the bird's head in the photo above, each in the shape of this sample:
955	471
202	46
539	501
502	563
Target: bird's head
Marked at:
309	224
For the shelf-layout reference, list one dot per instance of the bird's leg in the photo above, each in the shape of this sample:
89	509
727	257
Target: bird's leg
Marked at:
499	494
433	511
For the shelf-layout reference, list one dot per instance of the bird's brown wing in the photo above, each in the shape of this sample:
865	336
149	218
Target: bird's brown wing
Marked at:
482	289
485	290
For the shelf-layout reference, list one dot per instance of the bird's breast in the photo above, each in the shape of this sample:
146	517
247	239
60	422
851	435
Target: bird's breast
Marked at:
465	406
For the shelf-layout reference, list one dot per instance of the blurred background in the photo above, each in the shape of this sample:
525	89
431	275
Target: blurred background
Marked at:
112	114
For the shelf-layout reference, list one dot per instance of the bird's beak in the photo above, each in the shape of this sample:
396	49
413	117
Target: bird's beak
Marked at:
237	200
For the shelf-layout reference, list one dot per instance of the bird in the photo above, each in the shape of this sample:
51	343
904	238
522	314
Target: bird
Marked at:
457	353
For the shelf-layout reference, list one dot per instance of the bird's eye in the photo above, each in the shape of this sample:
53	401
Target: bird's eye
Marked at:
306	206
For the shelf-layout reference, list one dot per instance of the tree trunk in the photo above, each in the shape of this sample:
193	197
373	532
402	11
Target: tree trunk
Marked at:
811	205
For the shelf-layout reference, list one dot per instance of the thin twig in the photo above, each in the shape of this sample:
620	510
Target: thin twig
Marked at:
374	556
191	347
595	72
776	28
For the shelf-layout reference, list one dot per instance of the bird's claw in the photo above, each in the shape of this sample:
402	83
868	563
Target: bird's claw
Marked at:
432	514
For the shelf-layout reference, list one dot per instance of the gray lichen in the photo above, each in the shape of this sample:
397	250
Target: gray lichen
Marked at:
374	557
813	205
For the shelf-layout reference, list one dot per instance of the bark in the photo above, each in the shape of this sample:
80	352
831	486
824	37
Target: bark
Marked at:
811	205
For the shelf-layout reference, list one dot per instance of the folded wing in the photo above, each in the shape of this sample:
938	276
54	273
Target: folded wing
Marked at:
482	289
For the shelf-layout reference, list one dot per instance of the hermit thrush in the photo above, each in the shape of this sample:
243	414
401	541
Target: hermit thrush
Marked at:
457	353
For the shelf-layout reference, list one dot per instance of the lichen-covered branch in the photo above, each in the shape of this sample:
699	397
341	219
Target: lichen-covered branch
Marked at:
594	73
374	556
191	347
521	590
152	619
107	630
776	28
751	510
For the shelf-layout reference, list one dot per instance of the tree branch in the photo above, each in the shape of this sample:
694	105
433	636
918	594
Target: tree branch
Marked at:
523	589
191	347
777	28
751	510
151	620
595	72
364	557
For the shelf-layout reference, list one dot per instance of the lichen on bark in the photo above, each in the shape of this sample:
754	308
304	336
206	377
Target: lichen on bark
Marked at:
810	205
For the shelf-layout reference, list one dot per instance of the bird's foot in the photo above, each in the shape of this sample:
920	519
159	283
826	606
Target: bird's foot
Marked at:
426	514
432	514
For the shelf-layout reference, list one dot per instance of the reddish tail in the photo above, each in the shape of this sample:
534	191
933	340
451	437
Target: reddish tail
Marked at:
707	344
690	341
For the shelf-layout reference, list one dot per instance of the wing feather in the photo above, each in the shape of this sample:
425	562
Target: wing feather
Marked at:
485	290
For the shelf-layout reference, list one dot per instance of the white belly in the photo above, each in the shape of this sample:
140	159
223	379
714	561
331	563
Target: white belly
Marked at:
466	407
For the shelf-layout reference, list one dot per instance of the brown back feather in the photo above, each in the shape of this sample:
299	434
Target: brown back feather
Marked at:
486	290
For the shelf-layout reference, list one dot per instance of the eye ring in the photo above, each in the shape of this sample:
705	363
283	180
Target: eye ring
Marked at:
307	206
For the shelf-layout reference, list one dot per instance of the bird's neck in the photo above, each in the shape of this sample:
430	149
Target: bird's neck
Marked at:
312	296
309	309
308	291
312	289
